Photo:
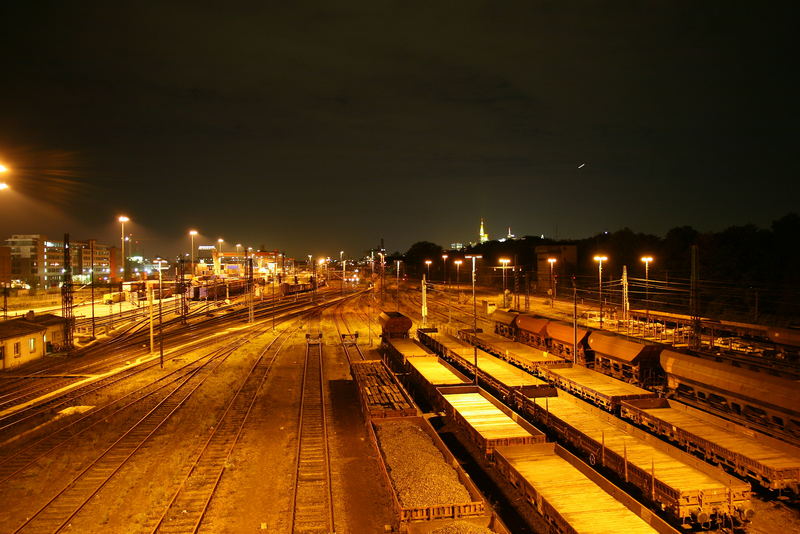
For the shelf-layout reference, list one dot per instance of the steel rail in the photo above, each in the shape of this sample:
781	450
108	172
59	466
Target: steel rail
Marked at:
312	495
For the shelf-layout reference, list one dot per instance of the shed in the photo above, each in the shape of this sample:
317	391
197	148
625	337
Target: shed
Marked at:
20	342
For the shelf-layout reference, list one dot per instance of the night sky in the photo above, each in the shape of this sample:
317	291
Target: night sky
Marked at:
313	129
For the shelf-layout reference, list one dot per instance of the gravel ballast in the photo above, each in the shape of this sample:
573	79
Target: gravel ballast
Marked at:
462	527
419	473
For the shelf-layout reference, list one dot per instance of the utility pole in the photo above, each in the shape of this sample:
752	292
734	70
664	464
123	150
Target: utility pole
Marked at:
397	276
150	299
160	317
694	307
474	315
574	321
182	290
625	303
250	287
424	301
91	274
67	296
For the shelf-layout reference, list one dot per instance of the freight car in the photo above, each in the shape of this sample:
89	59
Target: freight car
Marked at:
690	491
293	289
519	354
394	325
569	495
627	360
553	336
771	463
758	400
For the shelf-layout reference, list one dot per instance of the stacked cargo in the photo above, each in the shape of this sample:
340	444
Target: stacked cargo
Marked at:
381	395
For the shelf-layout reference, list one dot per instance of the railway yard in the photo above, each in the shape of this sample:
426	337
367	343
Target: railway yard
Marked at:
334	412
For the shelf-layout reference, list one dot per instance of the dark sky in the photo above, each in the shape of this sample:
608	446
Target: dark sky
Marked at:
314	129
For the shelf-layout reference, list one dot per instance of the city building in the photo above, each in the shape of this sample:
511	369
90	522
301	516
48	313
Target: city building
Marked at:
39	262
5	266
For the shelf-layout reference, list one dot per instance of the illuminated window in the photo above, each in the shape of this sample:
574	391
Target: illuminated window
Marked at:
32	344
16	349
2	352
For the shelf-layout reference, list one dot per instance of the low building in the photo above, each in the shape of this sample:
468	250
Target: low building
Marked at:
30	337
20	342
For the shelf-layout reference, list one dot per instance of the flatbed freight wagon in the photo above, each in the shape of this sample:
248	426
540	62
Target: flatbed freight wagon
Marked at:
691	491
569	495
771	463
488	422
500	376
599	389
519	354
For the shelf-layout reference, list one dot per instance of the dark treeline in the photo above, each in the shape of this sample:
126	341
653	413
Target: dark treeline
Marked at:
744	272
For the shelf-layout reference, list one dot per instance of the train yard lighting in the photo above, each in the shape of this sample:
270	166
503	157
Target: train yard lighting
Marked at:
160	264
192	233
428	265
474	258
220	241
458	277
504	262
600	259
552	262
3	170
3	186
122	220
647	260
444	272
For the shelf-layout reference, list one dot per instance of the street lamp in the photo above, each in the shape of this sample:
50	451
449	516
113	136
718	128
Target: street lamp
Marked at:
3	170
600	260
444	272
220	241
122	220
552	261
160	264
647	260
505	262
428	265
458	276
474	258
192	233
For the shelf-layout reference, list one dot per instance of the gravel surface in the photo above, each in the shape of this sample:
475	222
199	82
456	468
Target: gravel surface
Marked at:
461	527
419	473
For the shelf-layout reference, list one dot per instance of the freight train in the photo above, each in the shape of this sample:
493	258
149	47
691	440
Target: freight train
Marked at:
754	398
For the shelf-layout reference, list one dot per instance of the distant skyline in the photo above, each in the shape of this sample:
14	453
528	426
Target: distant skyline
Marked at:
317	129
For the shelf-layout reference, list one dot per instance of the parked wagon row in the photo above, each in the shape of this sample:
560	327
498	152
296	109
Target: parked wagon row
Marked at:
754	398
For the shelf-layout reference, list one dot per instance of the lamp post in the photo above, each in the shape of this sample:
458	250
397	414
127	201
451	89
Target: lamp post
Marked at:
647	260
397	276
505	262
344	272
160	264
474	258
600	259
428	265
444	272
458	276
552	262
122	220
192	233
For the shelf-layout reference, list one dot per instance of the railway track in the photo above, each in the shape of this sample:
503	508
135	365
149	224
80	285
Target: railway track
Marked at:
70	372
189	503
65	504
312	508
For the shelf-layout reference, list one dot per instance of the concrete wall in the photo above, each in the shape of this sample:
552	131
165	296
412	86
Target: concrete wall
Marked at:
25	355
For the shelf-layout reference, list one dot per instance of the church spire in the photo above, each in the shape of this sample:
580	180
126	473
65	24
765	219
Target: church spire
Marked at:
483	237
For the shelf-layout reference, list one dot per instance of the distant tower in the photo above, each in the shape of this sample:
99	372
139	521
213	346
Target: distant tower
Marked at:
483	237
510	235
